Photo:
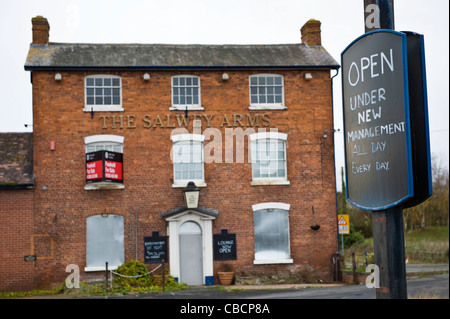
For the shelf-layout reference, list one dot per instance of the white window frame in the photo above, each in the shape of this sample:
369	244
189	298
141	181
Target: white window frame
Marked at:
102	107
265	105
275	137
182	107
272	206
188	138
107	142
119	239
104	140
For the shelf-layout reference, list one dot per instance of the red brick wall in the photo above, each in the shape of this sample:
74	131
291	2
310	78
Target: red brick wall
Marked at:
16	229
62	208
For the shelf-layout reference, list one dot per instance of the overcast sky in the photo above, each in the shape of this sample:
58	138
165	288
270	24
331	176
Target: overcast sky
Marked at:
217	22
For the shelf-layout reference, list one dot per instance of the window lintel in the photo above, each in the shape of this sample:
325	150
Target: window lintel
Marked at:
271	205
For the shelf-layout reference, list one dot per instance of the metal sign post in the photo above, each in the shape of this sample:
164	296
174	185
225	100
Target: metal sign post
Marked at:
387	152
389	251
387	225
344	227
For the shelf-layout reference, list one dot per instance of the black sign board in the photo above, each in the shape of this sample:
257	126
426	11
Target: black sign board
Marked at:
155	249
378	151
104	166
224	246
418	108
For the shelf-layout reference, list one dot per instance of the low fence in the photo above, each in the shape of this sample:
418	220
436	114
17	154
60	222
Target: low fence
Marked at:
354	271
427	256
109	282
418	256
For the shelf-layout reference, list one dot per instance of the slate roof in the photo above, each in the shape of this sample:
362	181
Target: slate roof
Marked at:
16	160
169	56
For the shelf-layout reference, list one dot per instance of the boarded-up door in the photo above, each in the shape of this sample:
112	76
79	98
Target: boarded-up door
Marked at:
191	257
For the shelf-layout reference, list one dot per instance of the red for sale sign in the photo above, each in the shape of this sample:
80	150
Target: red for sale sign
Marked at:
113	166
104	166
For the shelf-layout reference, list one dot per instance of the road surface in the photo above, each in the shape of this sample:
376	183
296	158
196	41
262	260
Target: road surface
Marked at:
431	287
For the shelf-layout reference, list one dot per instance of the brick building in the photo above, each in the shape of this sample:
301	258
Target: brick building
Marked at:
16	211
120	129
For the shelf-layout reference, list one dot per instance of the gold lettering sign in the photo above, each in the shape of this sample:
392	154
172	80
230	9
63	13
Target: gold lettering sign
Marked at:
180	120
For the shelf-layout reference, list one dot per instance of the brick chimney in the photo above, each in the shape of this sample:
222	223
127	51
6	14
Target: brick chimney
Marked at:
40	29
311	33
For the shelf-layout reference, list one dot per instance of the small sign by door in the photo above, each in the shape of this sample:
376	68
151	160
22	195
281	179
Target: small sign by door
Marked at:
224	246
155	249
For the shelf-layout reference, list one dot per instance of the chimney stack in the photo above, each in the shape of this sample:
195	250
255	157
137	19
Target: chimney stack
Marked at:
40	29
311	33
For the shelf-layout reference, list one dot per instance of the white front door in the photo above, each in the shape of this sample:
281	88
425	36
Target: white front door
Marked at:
191	257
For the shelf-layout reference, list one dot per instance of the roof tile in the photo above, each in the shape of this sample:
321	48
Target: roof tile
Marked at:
74	55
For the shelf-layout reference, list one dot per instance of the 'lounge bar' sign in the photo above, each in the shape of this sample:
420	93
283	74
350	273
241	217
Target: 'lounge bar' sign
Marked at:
224	246
104	166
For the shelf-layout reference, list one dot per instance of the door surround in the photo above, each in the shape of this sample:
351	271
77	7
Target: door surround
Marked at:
203	217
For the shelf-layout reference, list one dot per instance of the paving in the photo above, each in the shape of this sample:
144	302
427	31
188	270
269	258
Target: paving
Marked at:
425	268
417	272
281	286
411	270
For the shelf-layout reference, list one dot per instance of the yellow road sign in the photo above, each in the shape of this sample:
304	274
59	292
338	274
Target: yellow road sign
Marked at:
344	224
